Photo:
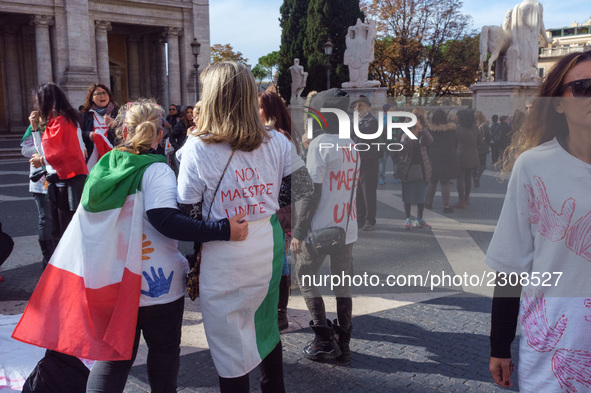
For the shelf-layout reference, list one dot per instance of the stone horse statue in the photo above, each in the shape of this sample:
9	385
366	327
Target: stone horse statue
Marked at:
494	40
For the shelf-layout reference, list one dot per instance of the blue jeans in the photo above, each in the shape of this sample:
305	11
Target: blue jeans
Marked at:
161	326
44	211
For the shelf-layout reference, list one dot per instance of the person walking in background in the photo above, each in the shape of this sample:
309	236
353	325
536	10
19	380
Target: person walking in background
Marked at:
414	168
98	122
543	228
495	139
467	152
482	144
275	115
504	135
443	158
367	198
178	135
388	154
234	164
63	154
328	207
36	186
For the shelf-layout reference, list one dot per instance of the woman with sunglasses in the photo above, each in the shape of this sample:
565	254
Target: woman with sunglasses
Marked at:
541	243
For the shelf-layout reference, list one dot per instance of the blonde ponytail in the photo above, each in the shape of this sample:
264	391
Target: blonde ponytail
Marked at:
139	126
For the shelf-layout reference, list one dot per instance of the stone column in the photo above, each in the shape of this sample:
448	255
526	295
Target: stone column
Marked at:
162	80
174	65
133	66
13	79
43	47
102	51
80	69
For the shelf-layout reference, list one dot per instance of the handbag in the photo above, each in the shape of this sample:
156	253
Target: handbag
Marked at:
331	239
414	173
195	263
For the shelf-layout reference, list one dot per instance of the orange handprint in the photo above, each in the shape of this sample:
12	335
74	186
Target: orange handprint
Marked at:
145	248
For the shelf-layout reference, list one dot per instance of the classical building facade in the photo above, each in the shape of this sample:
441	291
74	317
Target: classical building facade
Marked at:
139	48
574	38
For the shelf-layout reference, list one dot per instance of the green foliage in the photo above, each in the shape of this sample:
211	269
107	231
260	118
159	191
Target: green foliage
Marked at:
426	47
259	72
293	23
328	19
270	60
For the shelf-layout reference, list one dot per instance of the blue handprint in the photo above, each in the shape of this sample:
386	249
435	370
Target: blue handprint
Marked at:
159	284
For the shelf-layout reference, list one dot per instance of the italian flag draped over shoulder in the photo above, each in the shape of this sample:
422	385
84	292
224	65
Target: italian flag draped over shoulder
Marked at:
87	299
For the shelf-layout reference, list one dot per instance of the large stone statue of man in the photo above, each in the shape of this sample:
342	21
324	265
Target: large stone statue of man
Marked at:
298	80
360	53
526	27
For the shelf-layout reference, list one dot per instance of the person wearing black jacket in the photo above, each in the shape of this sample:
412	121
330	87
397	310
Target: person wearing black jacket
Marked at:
368	168
99	100
178	135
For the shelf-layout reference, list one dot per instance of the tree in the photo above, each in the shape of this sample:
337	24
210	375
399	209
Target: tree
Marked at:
259	72
225	52
269	62
293	22
420	30
455	68
328	19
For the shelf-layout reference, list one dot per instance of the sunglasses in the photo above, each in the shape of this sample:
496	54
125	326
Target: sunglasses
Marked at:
580	88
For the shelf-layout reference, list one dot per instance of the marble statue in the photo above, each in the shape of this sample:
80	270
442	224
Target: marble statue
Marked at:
494	40
526	27
298	80
516	42
360	53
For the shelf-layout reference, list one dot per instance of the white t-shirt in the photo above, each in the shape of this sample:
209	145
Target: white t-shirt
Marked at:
164	266
251	183
545	230
335	170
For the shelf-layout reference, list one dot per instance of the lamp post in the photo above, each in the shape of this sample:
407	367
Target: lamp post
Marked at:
195	48
328	45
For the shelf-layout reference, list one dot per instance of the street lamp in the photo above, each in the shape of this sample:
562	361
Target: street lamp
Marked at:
328	45
195	48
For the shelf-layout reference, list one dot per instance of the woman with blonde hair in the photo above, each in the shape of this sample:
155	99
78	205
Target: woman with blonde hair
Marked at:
543	233
131	275
234	164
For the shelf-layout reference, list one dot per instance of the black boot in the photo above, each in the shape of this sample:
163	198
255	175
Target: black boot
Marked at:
324	346
284	286
46	250
344	340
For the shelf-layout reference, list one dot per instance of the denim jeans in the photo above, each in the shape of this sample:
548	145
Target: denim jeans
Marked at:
44	211
161	326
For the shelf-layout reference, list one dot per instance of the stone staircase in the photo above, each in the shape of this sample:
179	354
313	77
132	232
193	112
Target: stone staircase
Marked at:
10	147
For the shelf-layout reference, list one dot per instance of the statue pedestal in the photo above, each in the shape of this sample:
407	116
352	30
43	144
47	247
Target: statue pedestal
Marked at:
502	98
376	95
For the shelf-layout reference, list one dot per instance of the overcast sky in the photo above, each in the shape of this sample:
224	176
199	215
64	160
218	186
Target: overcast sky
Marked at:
252	26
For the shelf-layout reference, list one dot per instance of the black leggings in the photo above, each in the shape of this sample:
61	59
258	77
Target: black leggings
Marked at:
465	182
271	376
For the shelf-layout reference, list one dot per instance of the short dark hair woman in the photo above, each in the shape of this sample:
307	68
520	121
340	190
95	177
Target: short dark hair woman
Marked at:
98	122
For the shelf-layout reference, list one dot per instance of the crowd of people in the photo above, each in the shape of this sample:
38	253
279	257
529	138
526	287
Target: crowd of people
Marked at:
226	174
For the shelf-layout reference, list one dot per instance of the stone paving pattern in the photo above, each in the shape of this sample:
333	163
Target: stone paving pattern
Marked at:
436	346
